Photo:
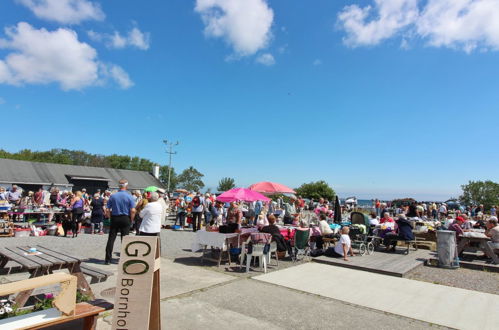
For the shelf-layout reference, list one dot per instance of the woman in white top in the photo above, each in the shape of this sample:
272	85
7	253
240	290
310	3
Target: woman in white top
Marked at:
151	217
344	245
262	220
373	221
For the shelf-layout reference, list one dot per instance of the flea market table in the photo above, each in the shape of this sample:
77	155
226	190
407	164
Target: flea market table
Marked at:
43	262
215	240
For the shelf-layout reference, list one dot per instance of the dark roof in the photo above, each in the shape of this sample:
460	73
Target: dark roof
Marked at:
18	171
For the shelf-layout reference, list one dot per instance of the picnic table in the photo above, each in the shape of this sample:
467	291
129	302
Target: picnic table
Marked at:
466	240
44	262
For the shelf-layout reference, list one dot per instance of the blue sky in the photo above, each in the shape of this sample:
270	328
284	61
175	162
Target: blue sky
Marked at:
379	98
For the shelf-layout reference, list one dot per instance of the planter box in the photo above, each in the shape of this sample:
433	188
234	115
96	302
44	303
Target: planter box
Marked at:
31	319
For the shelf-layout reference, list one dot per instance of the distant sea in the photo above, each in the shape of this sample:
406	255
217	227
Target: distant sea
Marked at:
361	202
364	202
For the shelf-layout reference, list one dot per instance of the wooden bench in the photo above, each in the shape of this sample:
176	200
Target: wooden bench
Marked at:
408	244
88	311
97	275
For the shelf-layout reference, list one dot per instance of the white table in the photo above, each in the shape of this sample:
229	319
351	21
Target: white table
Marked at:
205	239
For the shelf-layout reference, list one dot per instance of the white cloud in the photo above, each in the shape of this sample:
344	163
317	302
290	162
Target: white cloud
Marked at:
266	59
65	11
119	75
117	41
39	56
245	25
464	24
317	62
138	39
134	38
458	24
391	17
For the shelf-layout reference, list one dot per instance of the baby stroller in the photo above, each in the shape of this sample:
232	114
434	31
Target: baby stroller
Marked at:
361	233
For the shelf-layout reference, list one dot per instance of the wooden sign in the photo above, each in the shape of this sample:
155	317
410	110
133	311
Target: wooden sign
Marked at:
136	304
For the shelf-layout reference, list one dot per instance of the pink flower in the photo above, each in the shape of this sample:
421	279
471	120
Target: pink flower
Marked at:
49	296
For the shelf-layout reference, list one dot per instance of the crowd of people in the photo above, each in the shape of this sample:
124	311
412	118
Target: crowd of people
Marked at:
435	210
145	214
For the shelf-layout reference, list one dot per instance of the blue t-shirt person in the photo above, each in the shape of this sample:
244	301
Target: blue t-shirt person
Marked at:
121	203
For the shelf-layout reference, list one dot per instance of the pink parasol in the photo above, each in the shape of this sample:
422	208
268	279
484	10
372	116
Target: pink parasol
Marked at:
266	187
241	194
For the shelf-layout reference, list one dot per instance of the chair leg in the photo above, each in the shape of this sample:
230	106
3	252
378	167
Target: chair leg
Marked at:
248	260
264	265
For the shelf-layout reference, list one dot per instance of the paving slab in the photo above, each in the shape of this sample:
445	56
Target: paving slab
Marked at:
248	304
176	279
436	304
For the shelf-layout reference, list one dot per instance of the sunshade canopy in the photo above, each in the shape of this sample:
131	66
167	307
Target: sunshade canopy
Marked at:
241	194
266	187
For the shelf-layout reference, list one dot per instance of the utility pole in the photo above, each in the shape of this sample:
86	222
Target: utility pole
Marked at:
169	151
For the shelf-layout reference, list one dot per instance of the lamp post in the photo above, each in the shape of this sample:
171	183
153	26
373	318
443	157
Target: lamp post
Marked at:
169	151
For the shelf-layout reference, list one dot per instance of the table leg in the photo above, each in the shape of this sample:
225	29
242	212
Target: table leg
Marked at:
204	251
3	262
82	281
23	296
89	322
462	243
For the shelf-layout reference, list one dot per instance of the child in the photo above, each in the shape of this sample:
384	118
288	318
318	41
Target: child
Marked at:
344	245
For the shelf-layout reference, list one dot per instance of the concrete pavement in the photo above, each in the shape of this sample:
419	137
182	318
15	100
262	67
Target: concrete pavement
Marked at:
432	303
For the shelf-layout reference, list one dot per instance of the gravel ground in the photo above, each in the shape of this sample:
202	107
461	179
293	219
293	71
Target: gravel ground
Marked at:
460	278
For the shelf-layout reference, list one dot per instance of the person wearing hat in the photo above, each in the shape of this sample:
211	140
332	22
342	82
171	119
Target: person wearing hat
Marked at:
456	226
151	216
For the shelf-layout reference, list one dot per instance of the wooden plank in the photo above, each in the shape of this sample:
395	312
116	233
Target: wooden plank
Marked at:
86	267
22	260
58	254
36	258
36	282
385	263
48	257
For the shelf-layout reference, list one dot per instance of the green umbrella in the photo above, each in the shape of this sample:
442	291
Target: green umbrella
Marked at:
151	189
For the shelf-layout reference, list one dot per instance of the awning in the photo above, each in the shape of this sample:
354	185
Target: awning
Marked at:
89	178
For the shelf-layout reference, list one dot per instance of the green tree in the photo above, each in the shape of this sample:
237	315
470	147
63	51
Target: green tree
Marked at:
226	184
316	190
190	179
480	192
163	177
